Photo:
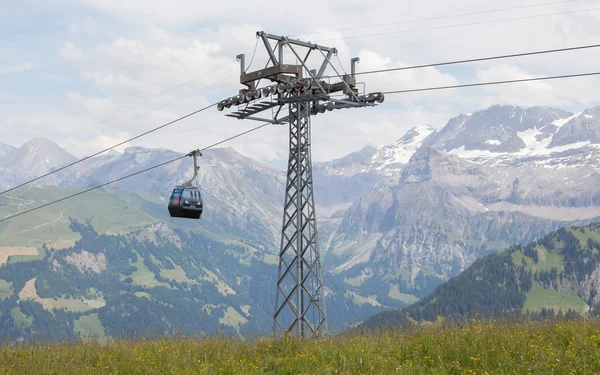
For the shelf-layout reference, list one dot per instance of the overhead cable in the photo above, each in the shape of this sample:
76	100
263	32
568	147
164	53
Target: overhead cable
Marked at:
480	59
459	25
344	38
352	37
110	148
265	124
146	100
130	175
491	83
436	18
359	73
136	117
152	110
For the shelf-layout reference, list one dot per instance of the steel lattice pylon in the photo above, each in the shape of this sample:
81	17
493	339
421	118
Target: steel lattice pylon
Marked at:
300	302
300	298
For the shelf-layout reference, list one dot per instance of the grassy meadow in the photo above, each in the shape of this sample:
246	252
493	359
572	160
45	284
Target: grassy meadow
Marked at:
559	347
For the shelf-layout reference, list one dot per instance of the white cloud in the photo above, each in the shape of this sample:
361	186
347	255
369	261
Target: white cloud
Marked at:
85	26
70	52
402	79
285	13
16	68
559	93
86	147
151	65
94	106
165	44
52	123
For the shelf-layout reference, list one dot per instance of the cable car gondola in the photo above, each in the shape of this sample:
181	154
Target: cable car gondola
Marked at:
186	200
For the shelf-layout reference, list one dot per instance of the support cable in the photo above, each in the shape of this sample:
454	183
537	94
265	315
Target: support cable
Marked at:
129	121
388	92
436	18
148	99
109	148
477	59
130	175
481	59
460	25
491	83
352	37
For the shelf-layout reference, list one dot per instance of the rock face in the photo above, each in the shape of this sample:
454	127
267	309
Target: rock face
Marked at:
433	221
585	127
500	176
86	261
589	287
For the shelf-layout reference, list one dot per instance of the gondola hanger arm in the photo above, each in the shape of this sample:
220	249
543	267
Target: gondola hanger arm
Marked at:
195	154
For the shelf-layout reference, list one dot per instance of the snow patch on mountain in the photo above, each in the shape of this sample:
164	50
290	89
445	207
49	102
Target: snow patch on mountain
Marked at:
390	159
534	149
402	150
563	121
536	142
386	161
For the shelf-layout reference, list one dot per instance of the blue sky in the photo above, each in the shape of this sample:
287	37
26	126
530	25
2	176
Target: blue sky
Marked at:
65	66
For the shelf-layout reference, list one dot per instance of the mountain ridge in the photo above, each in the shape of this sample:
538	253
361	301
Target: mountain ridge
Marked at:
394	221
496	128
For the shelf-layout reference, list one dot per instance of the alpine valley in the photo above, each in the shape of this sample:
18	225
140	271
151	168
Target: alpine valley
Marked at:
395	222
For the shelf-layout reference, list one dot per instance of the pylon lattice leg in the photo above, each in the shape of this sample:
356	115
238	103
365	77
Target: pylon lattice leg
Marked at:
300	303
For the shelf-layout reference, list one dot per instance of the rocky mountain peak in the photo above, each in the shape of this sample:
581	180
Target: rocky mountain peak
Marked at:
34	158
40	154
6	151
40	143
583	128
497	129
142	150
415	135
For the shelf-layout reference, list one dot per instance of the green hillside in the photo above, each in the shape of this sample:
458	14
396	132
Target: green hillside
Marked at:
109	213
552	276
72	271
147	281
